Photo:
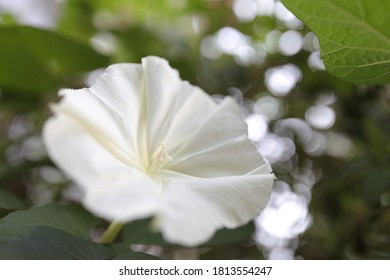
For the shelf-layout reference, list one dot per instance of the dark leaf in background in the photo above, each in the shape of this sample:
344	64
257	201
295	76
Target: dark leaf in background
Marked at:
123	252
46	243
68	218
139	232
37	60
9	201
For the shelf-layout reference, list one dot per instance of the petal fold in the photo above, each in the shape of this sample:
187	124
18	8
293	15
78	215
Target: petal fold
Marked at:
218	146
193	209
112	189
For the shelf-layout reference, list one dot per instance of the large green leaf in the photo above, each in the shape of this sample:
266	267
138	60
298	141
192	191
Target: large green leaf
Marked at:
139	232
231	236
354	36
123	252
46	243
64	217
35	60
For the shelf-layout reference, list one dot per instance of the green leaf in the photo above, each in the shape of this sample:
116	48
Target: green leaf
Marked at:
354	36
123	252
9	201
64	217
46	243
229	236
139	232
35	60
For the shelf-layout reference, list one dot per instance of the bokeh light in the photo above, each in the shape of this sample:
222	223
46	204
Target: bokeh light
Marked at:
245	10
290	42
281	80
320	116
39	13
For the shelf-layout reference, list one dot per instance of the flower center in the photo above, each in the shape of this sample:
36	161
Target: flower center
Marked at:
159	158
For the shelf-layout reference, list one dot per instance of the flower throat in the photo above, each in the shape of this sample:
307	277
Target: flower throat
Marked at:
159	158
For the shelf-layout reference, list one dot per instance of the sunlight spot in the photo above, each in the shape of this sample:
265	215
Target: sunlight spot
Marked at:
316	144
229	40
312	142
208	48
38	13
320	116
281	254
286	215
290	42
245	55
310	42
20	126
326	98
104	43
339	145
265	7
199	24
257	127
270	107
33	148
281	80
51	175
245	10
315	62
286	17
275	148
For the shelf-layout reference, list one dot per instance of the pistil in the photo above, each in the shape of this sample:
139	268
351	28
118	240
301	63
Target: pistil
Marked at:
159	159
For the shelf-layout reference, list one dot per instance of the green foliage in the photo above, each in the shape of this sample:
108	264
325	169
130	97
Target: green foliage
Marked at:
122	252
47	243
37	60
354	36
139	232
68	218
9	201
56	231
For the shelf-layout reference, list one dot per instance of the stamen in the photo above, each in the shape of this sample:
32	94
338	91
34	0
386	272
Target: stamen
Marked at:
159	158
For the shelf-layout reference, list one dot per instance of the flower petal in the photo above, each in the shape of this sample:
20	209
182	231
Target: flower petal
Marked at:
121	89
112	189
124	196
233	158
167	97
218	146
194	208
147	99
98	121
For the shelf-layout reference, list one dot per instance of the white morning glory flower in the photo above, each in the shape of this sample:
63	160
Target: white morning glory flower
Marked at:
141	142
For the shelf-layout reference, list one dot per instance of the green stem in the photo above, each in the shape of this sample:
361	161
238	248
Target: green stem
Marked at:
111	232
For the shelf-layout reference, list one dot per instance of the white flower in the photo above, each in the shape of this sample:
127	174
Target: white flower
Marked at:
141	142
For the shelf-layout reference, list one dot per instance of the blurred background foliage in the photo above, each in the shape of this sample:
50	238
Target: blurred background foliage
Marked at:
327	140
